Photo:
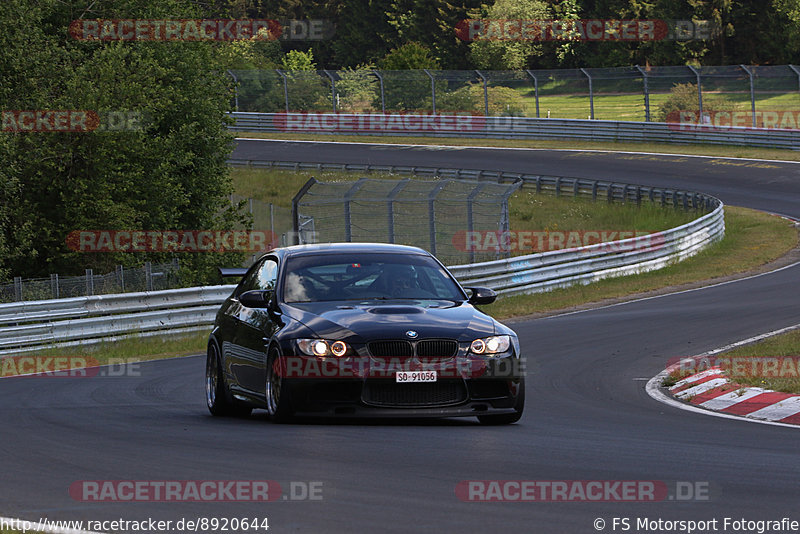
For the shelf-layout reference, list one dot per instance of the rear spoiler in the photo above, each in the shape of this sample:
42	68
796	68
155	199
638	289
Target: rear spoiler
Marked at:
230	272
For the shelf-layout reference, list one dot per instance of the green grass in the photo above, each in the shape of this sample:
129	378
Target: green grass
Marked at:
630	106
752	238
717	151
752	365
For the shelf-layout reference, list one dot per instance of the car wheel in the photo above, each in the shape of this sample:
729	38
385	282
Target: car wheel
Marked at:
276	389
507	418
217	395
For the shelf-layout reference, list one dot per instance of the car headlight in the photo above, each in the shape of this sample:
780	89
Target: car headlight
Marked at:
322	347
490	345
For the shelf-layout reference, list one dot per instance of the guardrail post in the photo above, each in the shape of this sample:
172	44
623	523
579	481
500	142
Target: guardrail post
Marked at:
433	90
752	93
89	277
645	81
591	94
535	89
285	89
594	190
699	91
18	288
485	94
54	286
383	95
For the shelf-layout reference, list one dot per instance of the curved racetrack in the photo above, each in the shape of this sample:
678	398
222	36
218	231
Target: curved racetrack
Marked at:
587	418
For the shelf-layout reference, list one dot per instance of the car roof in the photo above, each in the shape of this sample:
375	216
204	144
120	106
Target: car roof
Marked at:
347	248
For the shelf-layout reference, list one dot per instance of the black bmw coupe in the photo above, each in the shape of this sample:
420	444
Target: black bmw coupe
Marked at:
361	330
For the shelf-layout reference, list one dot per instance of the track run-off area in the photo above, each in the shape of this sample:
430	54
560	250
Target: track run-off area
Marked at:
587	418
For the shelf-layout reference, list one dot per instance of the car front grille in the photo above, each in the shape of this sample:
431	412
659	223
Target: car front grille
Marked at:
437	348
390	349
426	349
387	393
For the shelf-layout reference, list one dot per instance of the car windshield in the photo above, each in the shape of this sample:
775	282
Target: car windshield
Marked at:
367	276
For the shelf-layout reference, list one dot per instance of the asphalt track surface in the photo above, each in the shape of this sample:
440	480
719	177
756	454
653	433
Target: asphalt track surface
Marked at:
587	416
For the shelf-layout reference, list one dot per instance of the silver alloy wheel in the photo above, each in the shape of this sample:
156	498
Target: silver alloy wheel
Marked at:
273	387
212	375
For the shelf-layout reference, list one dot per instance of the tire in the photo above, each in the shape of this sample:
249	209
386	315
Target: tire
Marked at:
507	418
218	398
277	390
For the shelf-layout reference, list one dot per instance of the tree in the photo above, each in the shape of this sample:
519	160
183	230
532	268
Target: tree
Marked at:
166	171
507	55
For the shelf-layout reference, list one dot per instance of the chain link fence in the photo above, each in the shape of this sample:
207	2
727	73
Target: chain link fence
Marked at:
149	277
625	93
430	214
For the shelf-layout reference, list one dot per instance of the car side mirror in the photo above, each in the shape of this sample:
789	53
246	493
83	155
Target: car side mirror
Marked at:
257	299
481	295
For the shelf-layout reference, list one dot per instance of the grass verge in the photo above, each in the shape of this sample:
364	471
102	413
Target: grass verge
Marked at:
752	239
770	364
719	151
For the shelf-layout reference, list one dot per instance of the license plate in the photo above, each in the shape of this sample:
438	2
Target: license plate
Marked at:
415	376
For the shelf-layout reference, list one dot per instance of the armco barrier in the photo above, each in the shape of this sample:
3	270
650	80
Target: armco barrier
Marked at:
26	326
531	128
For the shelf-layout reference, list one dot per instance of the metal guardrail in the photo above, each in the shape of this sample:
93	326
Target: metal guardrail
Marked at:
530	128
26	326
34	325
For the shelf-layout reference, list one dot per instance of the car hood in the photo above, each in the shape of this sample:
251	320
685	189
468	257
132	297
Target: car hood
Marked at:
366	320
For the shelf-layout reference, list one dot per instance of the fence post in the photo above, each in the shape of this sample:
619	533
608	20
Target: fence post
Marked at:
432	212
383	95
333	88
54	286
148	276
645	81
535	89
591	94
235	89
699	91
18	288
752	93
798	75
296	209
348	227
485	94
470	220
285	89
433	90
121	277
390	206
89	277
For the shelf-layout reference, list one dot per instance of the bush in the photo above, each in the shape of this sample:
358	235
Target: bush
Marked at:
683	97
